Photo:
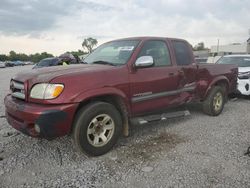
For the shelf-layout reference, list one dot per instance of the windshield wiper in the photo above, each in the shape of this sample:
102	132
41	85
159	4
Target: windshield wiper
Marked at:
103	63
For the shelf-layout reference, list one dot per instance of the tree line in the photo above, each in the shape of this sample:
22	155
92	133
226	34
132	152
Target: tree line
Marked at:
87	44
13	56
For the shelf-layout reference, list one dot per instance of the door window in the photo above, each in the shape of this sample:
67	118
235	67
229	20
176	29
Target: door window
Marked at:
158	50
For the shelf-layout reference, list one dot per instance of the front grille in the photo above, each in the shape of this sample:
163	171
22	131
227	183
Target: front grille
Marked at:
17	89
243	77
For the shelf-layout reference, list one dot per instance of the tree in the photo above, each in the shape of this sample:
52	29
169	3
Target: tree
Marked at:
13	56
89	43
3	57
200	46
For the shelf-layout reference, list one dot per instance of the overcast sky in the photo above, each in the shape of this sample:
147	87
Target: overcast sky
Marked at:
57	26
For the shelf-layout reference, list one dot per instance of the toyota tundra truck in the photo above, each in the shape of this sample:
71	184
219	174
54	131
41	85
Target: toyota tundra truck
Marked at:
121	80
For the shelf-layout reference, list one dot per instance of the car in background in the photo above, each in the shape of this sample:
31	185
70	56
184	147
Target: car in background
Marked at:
2	64
28	63
18	63
47	62
9	64
64	59
201	60
243	62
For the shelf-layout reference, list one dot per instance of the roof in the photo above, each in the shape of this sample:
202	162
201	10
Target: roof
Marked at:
147	38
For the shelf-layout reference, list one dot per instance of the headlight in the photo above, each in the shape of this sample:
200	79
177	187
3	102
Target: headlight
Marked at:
244	75
46	91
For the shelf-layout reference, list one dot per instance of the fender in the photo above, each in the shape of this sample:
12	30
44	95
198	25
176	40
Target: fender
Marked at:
100	92
216	80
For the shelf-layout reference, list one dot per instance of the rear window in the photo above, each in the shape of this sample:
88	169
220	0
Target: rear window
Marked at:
182	53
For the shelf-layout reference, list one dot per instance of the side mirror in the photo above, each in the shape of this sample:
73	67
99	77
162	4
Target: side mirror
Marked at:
144	61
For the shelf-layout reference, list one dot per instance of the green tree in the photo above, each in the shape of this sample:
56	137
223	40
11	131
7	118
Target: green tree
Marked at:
3	57
89	43
13	56
199	46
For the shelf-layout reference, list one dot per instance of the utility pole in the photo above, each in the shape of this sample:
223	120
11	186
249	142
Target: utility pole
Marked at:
218	43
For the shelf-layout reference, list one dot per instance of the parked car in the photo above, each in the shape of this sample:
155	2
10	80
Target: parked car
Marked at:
2	64
122	80
47	62
54	61
9	64
28	63
18	63
201	60
243	61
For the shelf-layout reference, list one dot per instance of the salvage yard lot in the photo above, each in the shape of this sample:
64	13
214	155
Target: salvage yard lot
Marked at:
195	151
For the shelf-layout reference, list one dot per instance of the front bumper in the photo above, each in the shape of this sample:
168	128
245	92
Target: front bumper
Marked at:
244	86
52	120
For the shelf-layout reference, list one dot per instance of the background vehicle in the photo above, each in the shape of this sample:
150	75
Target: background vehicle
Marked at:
55	61
18	63
201	60
243	61
121	80
47	62
28	63
9	64
2	64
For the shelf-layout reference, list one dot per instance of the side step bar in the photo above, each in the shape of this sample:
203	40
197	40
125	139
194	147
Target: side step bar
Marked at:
161	117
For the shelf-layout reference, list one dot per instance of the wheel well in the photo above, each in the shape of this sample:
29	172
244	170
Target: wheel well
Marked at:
116	101
223	83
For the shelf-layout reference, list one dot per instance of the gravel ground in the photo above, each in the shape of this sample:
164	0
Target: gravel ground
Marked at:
195	151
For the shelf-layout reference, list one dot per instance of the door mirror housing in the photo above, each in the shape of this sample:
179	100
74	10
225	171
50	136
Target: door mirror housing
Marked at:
144	61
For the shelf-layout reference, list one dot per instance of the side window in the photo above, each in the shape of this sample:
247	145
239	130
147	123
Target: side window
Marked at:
182	53
158	50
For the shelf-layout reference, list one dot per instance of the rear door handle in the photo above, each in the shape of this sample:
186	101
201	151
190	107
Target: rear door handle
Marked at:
181	72
171	74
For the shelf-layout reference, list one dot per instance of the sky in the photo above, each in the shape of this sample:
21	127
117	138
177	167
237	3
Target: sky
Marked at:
57	26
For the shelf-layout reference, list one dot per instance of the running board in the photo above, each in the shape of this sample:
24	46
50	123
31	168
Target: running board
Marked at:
161	117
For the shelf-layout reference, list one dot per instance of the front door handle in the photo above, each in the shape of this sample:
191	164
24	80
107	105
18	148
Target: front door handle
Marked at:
171	74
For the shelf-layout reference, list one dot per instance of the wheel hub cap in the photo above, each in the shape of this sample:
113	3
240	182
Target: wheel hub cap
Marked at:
100	130
218	101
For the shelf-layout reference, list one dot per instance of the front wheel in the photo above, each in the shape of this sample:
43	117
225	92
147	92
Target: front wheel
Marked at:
214	103
97	128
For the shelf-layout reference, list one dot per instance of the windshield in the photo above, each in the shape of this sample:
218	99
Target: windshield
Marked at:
112	53
48	62
240	61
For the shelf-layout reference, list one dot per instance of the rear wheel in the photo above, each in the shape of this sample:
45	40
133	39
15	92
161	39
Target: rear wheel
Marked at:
214	103
97	128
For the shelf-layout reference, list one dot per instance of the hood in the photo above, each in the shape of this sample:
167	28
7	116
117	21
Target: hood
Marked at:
48	73
244	69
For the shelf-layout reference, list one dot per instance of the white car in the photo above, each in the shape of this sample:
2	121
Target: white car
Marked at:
243	61
2	64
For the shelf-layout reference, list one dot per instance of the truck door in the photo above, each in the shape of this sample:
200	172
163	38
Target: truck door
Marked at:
154	87
187	69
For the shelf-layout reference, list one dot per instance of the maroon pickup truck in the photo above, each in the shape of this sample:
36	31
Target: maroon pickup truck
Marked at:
121	80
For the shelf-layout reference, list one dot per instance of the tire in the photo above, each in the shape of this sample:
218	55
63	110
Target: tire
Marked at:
92	124
215	101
